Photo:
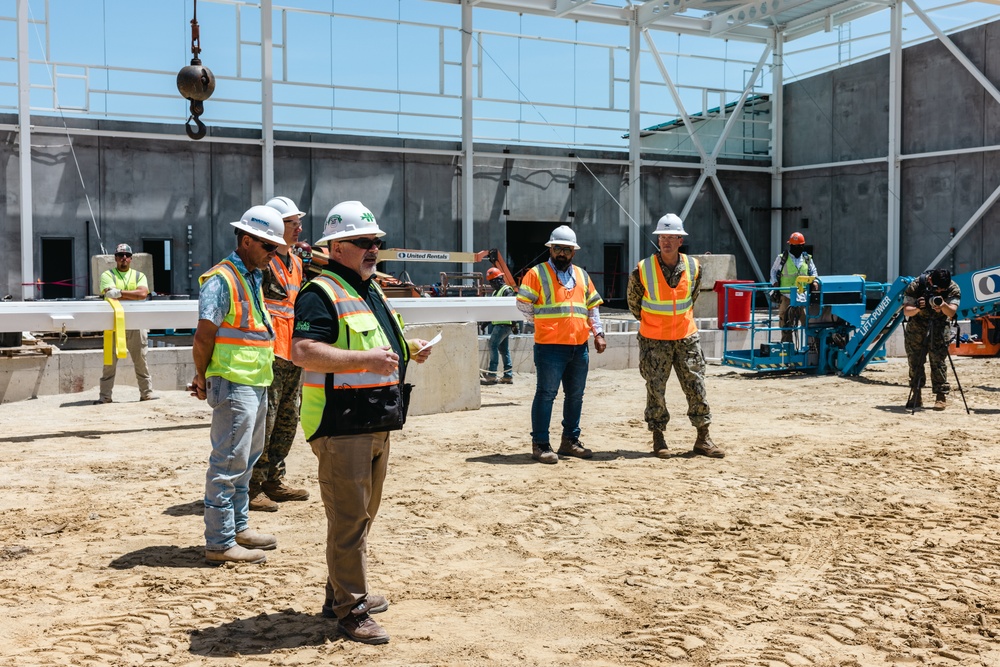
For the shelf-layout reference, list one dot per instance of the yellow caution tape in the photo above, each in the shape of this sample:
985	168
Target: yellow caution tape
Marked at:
116	337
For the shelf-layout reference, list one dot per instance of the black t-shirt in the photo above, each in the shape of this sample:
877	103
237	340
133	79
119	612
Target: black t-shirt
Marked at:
315	318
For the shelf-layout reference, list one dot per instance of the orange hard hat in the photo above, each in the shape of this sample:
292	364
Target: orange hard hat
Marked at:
796	239
494	273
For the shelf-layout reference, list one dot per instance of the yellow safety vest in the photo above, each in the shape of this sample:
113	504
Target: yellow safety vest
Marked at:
244	348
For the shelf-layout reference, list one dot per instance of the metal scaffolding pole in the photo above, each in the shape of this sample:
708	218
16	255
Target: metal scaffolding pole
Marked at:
634	153
267	98
24	137
895	136
468	151
777	140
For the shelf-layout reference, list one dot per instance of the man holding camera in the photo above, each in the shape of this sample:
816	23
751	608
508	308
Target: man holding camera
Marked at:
929	303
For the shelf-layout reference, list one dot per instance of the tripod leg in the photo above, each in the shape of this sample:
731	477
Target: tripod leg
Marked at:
959	383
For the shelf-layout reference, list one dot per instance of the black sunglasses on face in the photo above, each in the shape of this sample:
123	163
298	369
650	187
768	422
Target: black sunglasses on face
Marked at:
123	254
268	247
366	244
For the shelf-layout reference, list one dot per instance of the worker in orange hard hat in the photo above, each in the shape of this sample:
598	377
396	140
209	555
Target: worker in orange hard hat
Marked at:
500	334
788	266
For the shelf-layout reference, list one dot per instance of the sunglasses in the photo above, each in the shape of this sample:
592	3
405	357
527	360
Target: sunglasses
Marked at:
268	247
123	254
366	244
560	249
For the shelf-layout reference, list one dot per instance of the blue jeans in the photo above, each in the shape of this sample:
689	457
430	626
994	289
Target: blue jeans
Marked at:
500	345
567	364
239	417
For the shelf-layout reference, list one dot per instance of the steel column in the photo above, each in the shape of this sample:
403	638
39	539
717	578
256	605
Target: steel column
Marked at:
468	152
24	153
777	141
634	153
267	98
893	179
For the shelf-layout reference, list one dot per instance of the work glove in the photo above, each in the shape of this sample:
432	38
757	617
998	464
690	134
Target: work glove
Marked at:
515	329
113	293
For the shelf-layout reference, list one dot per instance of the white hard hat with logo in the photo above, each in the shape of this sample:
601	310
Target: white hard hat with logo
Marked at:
563	235
670	224
263	222
347	220
285	206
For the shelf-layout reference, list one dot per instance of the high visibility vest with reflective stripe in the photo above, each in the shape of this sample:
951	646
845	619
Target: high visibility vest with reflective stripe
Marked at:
358	330
789	272
561	316
505	290
244	347
667	312
129	282
283	310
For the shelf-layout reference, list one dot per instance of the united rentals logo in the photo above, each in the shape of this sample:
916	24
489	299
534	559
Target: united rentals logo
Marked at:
425	256
986	285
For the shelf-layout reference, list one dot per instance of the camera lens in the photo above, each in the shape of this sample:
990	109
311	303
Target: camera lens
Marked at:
937	301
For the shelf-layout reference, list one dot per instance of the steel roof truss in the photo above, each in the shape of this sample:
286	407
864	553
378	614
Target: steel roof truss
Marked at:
564	7
751	12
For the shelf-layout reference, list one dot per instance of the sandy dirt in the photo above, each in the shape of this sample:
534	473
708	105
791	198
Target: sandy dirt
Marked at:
839	530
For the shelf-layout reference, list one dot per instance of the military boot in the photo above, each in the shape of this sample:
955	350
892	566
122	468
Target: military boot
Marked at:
659	445
259	502
915	401
703	445
940	401
277	491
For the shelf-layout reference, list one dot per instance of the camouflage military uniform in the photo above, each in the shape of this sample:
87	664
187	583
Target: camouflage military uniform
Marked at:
928	332
658	357
283	398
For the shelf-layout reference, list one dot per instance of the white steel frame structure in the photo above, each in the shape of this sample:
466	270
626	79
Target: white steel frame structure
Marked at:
768	23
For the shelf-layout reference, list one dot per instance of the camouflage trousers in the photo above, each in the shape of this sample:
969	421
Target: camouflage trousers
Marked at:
283	397
923	336
656	359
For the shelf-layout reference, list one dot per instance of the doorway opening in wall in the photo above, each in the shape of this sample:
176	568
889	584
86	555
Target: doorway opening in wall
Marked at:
159	250
615	277
57	269
526	244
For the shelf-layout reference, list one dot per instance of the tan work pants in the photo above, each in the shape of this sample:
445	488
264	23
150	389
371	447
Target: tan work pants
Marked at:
135	342
351	473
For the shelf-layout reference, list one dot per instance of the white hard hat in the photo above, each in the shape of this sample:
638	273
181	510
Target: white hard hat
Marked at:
284	206
347	220
263	222
670	224
563	235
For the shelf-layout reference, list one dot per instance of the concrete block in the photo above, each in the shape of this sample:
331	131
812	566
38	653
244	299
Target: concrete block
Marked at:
449	380
713	268
21	376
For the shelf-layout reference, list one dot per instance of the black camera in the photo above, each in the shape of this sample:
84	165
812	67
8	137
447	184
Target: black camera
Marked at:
936	301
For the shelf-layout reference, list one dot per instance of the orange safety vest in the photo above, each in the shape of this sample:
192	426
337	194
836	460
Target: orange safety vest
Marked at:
667	312
561	316
283	310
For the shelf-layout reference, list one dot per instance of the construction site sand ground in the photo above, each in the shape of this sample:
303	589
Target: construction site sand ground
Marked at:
839	530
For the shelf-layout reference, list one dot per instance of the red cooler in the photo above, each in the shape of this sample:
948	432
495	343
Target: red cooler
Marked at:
734	303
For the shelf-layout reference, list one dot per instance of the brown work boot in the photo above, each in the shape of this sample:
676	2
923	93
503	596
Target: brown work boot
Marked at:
506	380
915	401
574	448
703	445
279	493
543	453
376	605
488	381
251	539
361	627
259	502
940	401
659	445
236	554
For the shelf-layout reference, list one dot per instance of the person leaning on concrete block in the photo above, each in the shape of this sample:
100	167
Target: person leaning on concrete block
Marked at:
126	284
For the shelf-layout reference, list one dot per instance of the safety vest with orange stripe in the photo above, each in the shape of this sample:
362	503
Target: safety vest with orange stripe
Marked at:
561	315
283	310
244	348
353	401
667	312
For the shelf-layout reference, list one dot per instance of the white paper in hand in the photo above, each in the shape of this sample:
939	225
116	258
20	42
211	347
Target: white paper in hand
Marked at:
431	343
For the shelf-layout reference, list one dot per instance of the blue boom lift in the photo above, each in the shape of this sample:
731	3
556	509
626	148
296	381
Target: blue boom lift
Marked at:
838	335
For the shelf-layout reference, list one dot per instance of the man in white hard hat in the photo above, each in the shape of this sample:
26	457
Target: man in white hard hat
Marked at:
661	294
561	300
282	279
125	283
350	343
233	354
